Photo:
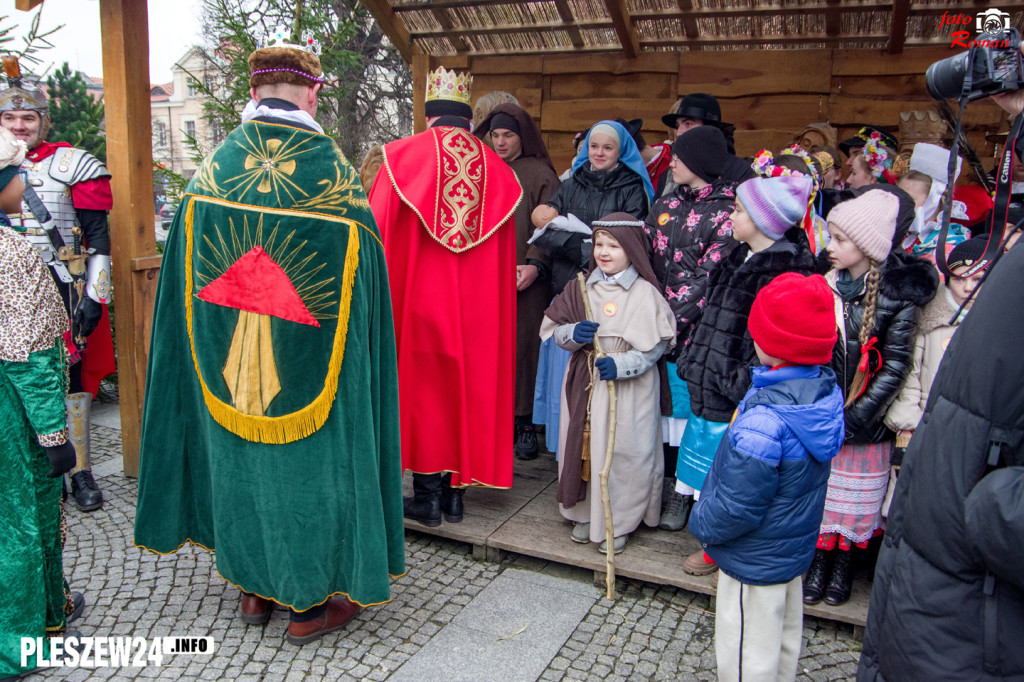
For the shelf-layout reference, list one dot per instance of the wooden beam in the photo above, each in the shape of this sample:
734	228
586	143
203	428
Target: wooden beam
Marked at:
448	30
392	26
833	25
686	19
624	29
125	29
794	40
571	25
504	29
420	70
452	3
27	5
898	29
771	10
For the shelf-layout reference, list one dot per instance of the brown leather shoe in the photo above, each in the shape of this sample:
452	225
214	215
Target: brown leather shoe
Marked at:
340	610
255	610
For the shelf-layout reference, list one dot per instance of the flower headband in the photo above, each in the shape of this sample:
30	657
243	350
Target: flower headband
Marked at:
879	158
826	161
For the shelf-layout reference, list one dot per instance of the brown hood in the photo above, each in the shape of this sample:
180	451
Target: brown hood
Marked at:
533	143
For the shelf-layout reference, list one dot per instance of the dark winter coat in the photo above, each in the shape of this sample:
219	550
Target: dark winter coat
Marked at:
907	283
690	234
590	195
948	596
760	509
716	363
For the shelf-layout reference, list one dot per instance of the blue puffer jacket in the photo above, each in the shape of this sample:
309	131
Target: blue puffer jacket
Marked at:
760	509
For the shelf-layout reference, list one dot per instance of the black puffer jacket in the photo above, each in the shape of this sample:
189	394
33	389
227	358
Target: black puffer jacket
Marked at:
590	195
907	283
690	234
948	596
717	360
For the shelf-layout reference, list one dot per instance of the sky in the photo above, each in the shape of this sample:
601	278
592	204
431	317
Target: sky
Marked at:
173	28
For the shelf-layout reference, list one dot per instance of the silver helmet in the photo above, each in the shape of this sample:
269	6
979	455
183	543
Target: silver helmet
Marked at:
17	95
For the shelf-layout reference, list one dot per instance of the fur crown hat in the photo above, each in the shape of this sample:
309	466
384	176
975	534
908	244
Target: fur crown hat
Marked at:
276	61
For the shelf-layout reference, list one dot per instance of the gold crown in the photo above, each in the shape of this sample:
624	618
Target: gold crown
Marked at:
449	85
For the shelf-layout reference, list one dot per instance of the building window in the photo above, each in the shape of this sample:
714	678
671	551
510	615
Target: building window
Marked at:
160	133
217	133
190	129
210	82
191	87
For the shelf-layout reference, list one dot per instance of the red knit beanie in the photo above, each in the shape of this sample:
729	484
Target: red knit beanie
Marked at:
794	319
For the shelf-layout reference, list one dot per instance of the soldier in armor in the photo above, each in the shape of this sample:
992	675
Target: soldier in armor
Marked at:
64	215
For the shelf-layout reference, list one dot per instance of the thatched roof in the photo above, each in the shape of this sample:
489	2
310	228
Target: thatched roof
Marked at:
517	27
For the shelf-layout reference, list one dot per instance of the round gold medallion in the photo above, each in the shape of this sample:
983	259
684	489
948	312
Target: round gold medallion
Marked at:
610	309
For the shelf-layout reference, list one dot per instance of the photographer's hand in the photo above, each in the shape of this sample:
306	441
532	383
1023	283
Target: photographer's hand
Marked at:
1011	102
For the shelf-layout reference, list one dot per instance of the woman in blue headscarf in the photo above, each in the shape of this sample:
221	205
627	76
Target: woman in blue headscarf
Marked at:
608	176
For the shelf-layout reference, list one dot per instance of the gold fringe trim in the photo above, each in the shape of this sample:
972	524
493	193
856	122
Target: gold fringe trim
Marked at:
189	541
301	423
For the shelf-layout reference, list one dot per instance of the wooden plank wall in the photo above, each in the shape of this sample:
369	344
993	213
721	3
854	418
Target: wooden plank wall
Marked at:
769	95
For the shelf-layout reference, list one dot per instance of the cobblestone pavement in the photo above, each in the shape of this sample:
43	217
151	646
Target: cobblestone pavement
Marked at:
651	632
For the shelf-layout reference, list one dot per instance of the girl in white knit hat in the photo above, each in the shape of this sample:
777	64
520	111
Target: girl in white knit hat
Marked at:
877	292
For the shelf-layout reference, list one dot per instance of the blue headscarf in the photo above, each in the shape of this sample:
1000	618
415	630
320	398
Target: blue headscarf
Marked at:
628	155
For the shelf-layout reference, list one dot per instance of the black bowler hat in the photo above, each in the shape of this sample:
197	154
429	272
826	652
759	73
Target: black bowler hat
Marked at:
700	106
862	136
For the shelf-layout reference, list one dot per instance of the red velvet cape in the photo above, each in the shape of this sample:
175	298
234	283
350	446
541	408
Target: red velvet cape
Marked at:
454	301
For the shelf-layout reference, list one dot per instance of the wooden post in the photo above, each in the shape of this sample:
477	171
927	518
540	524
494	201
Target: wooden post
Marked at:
125	28
420	70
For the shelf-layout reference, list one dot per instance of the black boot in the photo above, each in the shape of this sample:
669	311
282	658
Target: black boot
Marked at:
451	500
526	439
841	583
817	576
87	494
425	504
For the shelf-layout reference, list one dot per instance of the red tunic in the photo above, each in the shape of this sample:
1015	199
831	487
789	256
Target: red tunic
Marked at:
444	206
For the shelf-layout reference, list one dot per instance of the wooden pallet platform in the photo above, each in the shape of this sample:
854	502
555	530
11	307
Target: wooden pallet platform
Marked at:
525	520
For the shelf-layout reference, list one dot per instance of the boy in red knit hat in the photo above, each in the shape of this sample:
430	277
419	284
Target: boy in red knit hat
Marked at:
760	510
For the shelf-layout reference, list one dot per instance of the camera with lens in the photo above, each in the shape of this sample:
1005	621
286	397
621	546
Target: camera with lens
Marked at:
995	64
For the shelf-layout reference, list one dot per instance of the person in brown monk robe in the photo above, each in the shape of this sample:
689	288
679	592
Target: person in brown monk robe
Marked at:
515	137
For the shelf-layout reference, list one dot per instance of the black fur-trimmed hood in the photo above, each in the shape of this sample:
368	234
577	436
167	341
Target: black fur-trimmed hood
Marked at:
908	278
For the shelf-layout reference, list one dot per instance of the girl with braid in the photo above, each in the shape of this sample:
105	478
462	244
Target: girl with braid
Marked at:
877	292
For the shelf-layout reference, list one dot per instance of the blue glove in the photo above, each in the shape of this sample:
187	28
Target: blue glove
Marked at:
606	366
584	331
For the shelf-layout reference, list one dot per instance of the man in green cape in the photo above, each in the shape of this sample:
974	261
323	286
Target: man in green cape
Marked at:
270	428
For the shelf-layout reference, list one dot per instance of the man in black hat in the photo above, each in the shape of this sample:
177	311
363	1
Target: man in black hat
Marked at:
700	109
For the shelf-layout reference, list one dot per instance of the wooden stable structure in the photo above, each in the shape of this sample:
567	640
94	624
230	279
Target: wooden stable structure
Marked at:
774	65
525	520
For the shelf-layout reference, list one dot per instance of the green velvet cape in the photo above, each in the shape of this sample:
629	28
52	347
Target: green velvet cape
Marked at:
270	428
31	565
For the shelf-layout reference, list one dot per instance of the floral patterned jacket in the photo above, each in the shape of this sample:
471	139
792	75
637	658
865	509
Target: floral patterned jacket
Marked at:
690	232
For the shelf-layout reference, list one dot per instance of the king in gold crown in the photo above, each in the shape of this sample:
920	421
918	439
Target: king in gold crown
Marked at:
448	93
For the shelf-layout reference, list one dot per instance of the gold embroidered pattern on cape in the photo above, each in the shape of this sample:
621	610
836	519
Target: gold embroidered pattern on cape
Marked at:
460	206
258	427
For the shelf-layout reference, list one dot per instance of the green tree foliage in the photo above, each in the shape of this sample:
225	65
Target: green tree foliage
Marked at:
367	99
76	118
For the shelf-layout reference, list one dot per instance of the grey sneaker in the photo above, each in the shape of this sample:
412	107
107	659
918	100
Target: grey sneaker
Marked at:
677	512
620	544
668	486
581	533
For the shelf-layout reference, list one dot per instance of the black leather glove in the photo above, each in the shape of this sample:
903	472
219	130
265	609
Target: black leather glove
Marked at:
896	459
584	331
87	317
62	459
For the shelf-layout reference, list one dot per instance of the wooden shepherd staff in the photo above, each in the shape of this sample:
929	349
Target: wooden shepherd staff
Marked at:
606	470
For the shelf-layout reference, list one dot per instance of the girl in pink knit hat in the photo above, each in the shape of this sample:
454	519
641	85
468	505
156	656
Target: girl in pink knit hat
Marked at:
877	291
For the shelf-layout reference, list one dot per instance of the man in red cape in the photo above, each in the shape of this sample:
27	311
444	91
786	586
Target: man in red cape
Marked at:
444	206
74	186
